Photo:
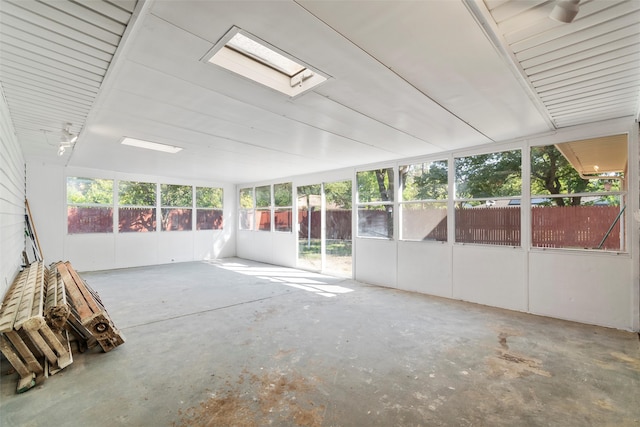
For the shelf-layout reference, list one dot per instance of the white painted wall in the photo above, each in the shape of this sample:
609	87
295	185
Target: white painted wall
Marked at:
12	195
585	286
46	185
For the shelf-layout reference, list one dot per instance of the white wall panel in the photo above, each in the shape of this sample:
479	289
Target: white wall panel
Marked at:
175	246
46	184
135	249
12	195
375	262
588	288
90	252
490	275
46	194
425	268
284	249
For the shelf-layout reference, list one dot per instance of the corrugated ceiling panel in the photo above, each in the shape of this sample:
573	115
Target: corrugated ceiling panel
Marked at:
583	71
54	55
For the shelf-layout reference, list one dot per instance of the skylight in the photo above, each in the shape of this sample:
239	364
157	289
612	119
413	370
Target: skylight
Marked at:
150	145
248	56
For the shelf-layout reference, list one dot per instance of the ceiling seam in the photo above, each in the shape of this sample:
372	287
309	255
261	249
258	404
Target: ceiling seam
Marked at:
396	74
291	118
483	17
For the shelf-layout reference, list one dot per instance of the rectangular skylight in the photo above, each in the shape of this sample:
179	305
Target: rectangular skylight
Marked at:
150	145
254	59
263	54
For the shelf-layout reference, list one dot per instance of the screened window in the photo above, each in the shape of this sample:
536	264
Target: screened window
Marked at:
578	194
283	206
209	212
263	208
375	203
89	205
136	206
246	211
423	207
488	189
176	207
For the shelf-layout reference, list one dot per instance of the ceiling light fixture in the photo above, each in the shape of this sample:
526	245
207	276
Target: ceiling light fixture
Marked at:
149	145
67	139
565	10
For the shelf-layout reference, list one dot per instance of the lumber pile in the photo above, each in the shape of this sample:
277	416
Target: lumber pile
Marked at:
42	312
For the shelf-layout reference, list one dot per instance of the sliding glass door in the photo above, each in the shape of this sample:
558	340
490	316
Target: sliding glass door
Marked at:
324	228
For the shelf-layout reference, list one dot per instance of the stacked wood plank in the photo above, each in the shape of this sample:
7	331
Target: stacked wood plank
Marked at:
39	310
27	341
89	318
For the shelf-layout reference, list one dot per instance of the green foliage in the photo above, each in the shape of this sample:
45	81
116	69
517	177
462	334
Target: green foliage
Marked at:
246	198
89	191
425	181
263	196
283	194
375	185
209	197
176	195
338	194
489	175
551	173
136	193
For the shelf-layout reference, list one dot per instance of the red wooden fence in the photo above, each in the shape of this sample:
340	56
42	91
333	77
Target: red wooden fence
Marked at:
575	226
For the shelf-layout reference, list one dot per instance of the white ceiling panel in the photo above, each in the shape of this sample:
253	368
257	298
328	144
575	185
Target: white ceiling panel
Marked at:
406	79
54	55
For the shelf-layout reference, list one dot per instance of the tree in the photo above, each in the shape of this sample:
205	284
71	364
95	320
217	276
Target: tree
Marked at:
89	191
137	193
377	185
424	181
209	197
551	173
176	195
489	175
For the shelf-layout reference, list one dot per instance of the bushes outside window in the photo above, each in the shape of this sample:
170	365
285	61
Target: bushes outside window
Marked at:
89	205
209	212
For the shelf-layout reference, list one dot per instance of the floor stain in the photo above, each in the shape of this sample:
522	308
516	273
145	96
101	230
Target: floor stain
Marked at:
272	398
502	339
513	365
630	361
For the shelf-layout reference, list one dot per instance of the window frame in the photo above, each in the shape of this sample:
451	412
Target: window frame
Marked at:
443	201
80	205
153	207
283	208
199	209
623	200
377	205
164	207
489	202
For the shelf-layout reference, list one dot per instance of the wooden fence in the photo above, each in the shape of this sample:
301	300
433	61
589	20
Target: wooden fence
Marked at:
551	226
338	224
575	226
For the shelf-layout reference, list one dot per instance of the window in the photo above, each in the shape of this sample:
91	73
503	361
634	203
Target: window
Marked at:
89	205
283	200
252	58
423	207
177	203
263	208
209	213
246	212
375	203
136	206
488	189
578	194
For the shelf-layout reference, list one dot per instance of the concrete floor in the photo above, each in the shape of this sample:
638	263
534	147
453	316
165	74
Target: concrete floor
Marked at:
238	343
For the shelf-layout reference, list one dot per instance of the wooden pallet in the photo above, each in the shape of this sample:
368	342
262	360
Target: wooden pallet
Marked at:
88	319
26	339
